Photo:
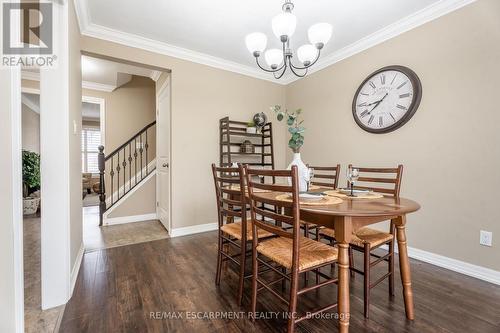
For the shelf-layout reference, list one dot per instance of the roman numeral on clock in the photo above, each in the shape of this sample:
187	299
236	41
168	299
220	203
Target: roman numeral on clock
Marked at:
371	119
405	95
402	85
382	78
362	104
372	85
392	117
380	121
402	107
364	114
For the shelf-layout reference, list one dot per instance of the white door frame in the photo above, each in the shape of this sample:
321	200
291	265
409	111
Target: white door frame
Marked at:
162	90
102	115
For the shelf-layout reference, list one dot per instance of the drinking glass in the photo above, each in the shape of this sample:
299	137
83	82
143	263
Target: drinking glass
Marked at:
311	175
352	176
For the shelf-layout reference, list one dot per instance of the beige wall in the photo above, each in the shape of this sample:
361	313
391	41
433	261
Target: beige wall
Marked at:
200	96
141	202
31	129
446	146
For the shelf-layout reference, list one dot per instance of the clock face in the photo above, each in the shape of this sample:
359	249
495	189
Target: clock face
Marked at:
387	99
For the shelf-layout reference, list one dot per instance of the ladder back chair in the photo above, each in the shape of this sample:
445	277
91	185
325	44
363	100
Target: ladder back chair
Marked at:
327	177
234	226
289	250
385	181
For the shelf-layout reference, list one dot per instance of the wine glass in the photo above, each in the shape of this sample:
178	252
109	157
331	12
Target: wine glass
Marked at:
352	176
311	175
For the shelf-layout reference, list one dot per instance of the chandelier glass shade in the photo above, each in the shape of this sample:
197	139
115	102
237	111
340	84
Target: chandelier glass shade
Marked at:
279	60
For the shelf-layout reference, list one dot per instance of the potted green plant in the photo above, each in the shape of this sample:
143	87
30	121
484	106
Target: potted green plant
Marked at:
31	181
296	131
251	127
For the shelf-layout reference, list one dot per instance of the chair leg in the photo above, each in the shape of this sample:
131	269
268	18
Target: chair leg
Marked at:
292	309
243	250
391	268
367	280
351	262
255	272
332	266
219	261
306	234
283	282
317	234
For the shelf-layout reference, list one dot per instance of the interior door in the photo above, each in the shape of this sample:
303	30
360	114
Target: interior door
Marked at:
163	155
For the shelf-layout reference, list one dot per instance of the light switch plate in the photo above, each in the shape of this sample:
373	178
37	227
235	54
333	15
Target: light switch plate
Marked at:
486	238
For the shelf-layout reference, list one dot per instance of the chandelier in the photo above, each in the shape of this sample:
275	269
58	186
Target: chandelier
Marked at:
279	61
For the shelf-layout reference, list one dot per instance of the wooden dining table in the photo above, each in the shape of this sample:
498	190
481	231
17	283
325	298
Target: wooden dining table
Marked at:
347	217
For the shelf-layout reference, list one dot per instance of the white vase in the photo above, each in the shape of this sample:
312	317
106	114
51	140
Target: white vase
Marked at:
303	172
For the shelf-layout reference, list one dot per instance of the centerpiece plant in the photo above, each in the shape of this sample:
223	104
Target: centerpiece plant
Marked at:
296	131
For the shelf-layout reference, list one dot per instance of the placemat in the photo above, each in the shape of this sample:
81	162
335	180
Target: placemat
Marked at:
326	200
337	194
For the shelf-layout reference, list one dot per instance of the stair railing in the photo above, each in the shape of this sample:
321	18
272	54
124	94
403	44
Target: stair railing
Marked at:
128	164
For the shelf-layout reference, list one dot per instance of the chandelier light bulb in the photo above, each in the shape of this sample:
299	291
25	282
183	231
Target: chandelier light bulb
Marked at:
274	57
319	34
307	54
284	24
256	42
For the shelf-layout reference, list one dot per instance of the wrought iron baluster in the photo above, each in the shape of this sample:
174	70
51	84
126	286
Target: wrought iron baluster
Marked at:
146	147
112	174
118	175
124	164
140	151
135	158
129	166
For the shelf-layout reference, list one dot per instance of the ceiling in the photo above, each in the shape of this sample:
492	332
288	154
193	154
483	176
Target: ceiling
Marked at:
213	32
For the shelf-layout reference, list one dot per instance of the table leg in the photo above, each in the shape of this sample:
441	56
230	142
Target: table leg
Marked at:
404	266
343	232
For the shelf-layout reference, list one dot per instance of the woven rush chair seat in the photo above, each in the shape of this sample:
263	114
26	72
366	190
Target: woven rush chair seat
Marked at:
311	225
363	236
311	252
234	230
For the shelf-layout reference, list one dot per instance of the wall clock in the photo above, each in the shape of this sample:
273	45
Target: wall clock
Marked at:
387	99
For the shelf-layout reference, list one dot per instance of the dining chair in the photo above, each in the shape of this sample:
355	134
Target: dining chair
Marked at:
289	250
328	178
385	181
234	226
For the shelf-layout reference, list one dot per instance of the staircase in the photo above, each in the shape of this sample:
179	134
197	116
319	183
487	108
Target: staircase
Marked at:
125	168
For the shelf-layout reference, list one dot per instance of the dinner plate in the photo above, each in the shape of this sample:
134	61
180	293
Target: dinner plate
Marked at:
355	191
310	197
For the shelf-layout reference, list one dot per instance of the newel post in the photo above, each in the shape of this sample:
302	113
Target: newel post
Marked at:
102	189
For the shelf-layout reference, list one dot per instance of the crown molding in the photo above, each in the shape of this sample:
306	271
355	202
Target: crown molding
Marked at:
410	22
151	45
33	76
98	86
155	75
407	23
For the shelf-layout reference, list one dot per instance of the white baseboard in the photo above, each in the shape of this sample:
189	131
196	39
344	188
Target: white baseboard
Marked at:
76	269
478	272
195	229
129	219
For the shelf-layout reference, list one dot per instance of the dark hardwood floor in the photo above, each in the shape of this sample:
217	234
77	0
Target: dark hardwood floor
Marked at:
133	288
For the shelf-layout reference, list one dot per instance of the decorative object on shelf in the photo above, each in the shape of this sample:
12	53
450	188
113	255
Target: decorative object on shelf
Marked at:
387	99
260	120
247	147
296	141
284	25
31	182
